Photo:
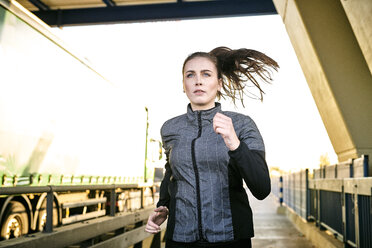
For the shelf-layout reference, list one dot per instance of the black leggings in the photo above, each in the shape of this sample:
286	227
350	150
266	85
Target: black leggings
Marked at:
243	243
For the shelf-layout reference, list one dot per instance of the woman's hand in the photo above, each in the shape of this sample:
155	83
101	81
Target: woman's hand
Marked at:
156	219
223	126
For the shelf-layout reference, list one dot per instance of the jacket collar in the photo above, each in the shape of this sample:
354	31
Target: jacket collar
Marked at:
206	115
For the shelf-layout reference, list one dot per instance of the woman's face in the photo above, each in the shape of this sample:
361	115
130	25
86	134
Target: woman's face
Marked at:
201	83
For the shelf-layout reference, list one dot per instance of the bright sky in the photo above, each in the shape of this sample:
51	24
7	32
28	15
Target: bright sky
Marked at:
145	60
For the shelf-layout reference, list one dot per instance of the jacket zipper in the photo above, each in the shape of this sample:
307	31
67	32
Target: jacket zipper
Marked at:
197	178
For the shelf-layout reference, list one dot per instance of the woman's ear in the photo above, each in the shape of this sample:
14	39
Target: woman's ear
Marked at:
220	82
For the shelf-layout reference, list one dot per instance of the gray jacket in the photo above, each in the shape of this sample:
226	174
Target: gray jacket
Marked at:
203	186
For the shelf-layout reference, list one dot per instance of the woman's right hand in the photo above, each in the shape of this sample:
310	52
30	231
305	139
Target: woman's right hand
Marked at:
156	218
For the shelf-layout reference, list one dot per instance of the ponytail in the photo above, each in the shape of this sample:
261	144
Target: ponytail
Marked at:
236	68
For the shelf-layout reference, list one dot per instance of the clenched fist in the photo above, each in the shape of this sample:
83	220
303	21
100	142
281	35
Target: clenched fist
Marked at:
223	126
156	219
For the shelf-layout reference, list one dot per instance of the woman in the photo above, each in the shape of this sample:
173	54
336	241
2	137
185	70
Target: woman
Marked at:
210	152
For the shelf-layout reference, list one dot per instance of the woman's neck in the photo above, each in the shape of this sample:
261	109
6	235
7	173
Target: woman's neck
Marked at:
202	107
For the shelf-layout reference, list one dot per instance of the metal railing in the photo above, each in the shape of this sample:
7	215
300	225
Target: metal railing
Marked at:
292	189
338	198
74	233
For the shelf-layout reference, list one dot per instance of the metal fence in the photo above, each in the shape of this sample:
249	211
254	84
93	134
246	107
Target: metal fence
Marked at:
120	229
294	189
358	197
337	198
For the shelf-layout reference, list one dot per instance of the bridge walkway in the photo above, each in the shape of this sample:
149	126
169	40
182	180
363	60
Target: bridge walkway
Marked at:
274	230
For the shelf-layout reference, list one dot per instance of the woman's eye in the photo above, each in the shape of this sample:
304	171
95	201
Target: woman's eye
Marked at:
189	75
207	74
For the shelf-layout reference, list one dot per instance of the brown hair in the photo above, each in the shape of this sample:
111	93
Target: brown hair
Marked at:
236	67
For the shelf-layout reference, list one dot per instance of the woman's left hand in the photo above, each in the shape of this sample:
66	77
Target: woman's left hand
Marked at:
223	126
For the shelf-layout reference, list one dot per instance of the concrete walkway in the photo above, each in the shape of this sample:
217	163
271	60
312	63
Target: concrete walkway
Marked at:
274	230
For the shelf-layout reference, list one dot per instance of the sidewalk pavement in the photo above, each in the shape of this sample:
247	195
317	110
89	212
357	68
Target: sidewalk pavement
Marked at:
274	230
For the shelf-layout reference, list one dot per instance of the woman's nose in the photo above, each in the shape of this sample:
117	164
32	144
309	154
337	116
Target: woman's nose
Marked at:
198	81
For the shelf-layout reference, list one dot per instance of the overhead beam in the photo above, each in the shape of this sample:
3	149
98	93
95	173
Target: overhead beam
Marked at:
359	14
109	3
151	12
40	5
335	68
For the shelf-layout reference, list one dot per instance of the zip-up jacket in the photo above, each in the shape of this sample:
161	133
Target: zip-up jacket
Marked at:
203	182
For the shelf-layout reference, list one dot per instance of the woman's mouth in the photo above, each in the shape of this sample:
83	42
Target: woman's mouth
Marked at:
199	92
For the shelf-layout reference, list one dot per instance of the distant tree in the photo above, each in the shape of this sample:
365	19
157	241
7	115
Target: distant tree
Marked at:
324	160
275	171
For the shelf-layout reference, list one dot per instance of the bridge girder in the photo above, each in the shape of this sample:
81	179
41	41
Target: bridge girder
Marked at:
332	40
152	12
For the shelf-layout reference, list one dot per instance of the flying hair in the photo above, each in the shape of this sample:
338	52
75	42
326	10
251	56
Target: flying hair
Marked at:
237	68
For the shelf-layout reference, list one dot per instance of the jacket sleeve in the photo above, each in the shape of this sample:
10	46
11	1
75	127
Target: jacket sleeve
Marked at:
164	196
249	160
